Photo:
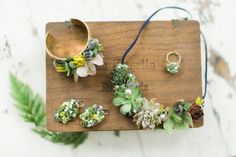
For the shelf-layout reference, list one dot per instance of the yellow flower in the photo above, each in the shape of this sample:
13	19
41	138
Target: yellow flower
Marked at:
60	69
199	101
79	61
162	108
62	114
94	116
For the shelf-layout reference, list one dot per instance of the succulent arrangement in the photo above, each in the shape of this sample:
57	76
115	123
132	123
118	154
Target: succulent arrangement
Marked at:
196	110
173	67
127	92
83	64
92	116
120	74
151	114
67	111
179	117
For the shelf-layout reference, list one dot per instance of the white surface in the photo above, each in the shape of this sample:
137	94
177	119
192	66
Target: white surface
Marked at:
22	26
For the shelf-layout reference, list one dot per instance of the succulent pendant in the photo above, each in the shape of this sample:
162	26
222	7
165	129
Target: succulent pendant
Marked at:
172	67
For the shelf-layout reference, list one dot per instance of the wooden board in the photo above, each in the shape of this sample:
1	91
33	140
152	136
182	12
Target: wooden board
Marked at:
146	60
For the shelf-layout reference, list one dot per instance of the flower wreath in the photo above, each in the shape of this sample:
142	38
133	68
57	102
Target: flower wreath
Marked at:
83	64
150	114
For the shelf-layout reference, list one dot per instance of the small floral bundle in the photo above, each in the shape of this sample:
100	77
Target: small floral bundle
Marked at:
151	114
83	64
127	92
196	109
173	67
92	116
67	111
178	117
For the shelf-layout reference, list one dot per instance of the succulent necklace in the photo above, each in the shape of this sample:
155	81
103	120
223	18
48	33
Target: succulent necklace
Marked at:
152	114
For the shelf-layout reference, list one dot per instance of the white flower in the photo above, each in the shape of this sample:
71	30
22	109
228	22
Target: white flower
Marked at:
89	67
98	60
82	71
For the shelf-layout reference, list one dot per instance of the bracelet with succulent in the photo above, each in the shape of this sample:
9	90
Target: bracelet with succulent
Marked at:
83	64
151	114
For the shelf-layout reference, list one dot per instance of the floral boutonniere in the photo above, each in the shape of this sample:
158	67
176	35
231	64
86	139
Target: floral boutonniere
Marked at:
83	64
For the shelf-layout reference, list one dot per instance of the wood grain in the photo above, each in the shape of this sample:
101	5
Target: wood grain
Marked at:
146	60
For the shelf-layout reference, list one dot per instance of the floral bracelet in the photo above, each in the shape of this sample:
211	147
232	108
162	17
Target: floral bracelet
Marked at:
81	63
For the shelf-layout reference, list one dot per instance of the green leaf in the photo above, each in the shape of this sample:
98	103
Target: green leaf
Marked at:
137	103
31	106
176	118
168	125
32	109
70	138
187	118
118	101
126	108
136	92
181	126
95	51
186	106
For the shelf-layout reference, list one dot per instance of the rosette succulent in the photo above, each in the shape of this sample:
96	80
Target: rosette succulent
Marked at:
67	111
92	116
151	115
173	67
129	99
120	74
196	110
179	117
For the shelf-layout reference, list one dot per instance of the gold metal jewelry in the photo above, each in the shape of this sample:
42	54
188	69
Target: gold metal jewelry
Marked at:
173	67
86	53
82	26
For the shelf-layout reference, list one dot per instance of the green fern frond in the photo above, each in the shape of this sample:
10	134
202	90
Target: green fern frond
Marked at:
72	138
30	105
32	109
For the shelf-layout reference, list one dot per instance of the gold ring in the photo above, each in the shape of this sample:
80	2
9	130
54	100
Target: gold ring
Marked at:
173	67
173	53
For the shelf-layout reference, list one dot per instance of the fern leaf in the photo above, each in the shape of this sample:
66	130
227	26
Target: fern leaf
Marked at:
32	109
31	106
73	138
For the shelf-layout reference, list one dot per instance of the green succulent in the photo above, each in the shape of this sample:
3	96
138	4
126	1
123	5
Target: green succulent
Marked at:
129	99
94	47
120	74
151	115
173	68
179	117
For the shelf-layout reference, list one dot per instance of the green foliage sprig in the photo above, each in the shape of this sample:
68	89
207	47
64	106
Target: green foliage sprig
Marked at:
32	110
179	117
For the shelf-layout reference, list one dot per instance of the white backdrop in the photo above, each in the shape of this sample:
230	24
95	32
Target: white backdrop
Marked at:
22	27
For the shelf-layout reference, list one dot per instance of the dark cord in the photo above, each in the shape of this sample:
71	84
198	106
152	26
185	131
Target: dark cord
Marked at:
145	24
206	65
